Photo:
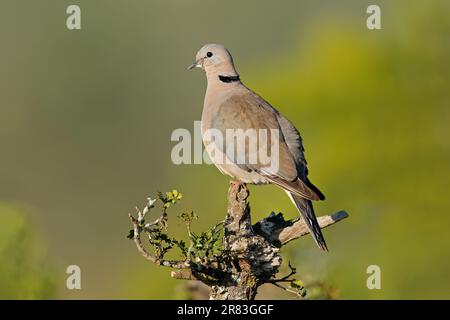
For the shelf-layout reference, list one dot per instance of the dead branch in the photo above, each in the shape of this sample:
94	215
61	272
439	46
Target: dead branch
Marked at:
179	264
279	232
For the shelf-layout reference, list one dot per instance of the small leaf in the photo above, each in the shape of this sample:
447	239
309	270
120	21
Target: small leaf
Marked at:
187	216
130	234
303	292
293	269
295	283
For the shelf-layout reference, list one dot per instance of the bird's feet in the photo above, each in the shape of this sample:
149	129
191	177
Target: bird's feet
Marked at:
236	183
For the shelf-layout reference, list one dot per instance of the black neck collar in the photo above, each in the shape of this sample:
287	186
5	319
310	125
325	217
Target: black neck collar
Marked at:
228	79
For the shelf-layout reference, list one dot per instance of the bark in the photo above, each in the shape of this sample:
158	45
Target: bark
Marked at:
251	259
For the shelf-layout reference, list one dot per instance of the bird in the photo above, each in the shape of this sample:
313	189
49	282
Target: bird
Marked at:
230	105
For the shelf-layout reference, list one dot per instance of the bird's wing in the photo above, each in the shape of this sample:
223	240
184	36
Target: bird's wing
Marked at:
249	111
294	142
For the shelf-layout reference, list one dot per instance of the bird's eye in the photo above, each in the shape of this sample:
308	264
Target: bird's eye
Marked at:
209	54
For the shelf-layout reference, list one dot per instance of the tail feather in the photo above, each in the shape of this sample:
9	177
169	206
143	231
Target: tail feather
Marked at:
306	210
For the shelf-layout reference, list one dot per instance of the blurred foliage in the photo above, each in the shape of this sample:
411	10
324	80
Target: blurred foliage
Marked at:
24	269
381	150
322	291
191	290
86	118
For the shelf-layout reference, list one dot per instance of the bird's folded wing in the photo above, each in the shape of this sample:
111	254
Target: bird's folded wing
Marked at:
296	187
248	111
244	112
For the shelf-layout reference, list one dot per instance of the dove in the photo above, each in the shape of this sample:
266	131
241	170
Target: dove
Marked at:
230	105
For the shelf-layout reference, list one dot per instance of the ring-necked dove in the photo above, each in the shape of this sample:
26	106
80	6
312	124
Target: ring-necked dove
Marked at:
229	105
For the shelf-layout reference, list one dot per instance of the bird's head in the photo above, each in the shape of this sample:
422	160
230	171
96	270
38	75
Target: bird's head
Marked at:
214	59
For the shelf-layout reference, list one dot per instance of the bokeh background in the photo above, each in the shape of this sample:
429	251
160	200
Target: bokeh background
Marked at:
86	118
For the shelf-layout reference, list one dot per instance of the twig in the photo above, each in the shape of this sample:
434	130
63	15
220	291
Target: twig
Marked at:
298	294
176	264
299	228
286	278
183	275
279	231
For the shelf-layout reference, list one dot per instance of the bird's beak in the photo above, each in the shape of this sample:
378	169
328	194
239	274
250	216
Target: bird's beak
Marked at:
192	66
196	64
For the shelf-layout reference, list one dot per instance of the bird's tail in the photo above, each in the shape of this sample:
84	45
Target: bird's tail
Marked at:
306	210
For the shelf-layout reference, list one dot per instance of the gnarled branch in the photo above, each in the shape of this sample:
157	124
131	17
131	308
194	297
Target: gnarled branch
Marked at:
279	232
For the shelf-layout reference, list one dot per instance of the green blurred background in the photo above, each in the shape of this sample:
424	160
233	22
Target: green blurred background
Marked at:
86	118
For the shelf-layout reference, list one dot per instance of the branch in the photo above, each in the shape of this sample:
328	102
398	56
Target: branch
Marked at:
176	264
296	292
299	228
233	258
286	278
193	274
183	275
279	231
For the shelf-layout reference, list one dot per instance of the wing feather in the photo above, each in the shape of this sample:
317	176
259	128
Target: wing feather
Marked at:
249	111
